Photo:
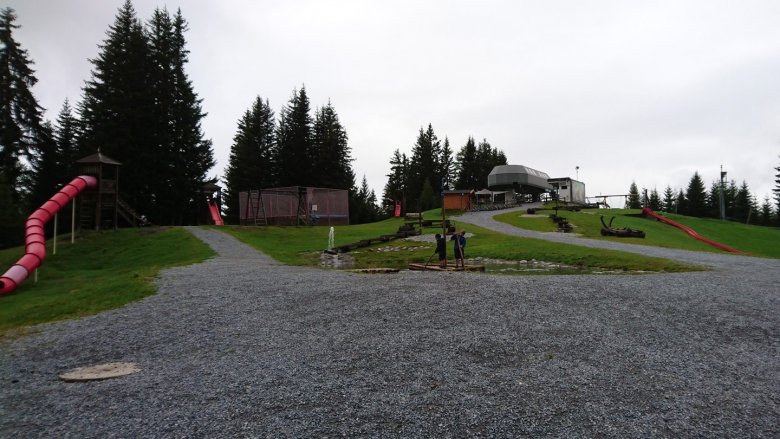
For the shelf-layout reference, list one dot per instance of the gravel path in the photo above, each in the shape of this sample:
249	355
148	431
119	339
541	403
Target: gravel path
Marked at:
240	346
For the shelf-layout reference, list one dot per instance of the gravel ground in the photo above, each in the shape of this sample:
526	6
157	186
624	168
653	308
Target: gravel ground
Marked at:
240	346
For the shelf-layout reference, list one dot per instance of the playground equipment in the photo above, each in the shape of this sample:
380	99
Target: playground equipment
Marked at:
34	238
608	230
215	215
648	212
296	205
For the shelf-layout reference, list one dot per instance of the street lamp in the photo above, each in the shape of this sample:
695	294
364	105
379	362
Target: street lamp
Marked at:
722	202
577	168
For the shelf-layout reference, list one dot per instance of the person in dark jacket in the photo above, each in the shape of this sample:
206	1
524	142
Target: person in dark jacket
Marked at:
460	247
441	249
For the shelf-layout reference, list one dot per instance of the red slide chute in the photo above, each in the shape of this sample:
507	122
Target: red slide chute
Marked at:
214	209
34	239
688	230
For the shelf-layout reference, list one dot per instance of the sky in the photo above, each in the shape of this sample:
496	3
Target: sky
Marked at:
644	91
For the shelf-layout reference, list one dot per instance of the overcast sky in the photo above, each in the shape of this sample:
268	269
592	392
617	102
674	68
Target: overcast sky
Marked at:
649	91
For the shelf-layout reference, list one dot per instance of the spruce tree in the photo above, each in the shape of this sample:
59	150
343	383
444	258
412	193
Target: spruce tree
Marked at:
179	136
730	199
766	213
46	169
11	217
668	202
745	205
713	200
655	201
332	163
681	204
362	206
424	164
118	114
776	191
20	114
447	165
65	134
395	188
696	197
294	143
634	200
251	164
467	167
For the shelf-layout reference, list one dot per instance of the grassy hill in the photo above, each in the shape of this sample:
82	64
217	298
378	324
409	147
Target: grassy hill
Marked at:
755	240
100	271
303	246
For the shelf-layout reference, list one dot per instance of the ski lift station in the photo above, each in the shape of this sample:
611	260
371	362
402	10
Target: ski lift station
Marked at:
530	184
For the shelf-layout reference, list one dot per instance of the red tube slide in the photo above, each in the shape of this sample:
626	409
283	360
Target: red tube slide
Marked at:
34	238
215	215
688	230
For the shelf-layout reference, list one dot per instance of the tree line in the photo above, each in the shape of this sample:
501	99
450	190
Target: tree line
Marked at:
417	180
296	150
739	203
139	107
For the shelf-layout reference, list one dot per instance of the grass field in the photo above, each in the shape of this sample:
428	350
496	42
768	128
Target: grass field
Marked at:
101	271
755	240
303	246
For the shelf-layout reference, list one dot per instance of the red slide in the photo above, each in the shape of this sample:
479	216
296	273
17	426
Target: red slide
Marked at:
34	239
214	209
688	230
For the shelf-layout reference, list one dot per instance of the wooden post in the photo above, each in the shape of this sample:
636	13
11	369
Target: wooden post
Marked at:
54	239
73	221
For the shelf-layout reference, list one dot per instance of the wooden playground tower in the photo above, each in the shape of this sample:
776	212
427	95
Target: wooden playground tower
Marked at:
101	209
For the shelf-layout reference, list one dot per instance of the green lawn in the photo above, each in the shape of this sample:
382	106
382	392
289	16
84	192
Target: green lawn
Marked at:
755	240
303	246
100	271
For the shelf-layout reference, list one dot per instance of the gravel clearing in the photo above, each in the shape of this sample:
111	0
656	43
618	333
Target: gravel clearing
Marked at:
241	346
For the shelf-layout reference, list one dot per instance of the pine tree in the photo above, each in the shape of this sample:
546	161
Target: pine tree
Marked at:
766	213
713	200
179	136
668	203
333	163
395	188
294	143
744	204
424	164
362	205
65	132
447	164
251	164
11	217
20	114
467	167
696	197
655	201
730	199
118	114
634	200
46	172
681	204
776	191
427	198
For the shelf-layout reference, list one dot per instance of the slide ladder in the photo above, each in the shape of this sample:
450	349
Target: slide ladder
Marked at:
689	231
34	238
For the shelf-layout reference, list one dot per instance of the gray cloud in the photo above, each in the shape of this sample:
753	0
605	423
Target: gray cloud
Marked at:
645	91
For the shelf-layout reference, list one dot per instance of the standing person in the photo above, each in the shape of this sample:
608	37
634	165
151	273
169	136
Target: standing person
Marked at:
441	249
460	244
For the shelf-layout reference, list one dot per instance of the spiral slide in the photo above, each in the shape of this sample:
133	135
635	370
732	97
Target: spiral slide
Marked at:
688	230
215	216
34	238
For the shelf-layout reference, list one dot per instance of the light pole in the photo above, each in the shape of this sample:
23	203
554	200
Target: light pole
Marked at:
577	169
722	201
